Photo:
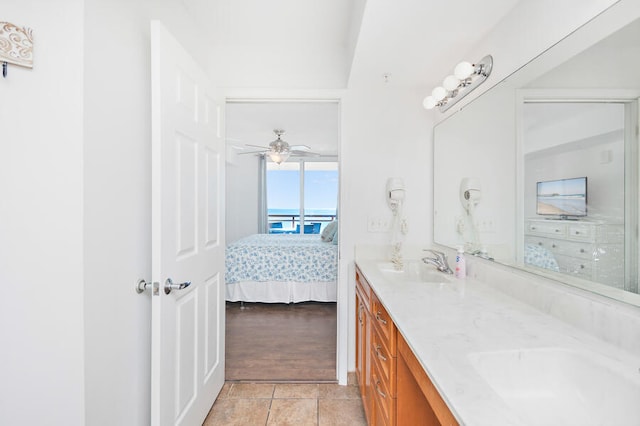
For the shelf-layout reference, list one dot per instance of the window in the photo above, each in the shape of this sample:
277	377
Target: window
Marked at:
304	191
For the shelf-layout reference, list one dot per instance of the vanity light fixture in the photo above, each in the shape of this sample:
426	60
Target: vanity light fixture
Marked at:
465	78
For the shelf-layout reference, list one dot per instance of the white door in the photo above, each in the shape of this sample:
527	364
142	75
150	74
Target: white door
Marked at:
187	360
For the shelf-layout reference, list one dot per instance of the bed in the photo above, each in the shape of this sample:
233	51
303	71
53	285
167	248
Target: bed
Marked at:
290	268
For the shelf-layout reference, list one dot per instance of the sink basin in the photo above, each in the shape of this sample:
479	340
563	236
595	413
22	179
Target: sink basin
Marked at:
414	271
563	387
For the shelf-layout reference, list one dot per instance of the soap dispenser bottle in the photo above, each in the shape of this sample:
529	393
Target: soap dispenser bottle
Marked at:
461	267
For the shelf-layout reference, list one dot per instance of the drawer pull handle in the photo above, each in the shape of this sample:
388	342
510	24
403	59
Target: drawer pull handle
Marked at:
577	232
379	318
382	394
540	243
581	266
557	230
581	250
533	228
378	354
553	246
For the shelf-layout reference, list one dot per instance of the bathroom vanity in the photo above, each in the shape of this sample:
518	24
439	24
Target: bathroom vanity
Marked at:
394	387
436	350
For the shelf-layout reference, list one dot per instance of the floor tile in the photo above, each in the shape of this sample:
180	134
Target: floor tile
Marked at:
293	412
238	412
339	412
251	390
335	391
352	380
296	391
224	392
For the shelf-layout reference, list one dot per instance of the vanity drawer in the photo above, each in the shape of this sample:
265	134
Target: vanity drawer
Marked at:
547	229
385	361
385	403
383	324
362	287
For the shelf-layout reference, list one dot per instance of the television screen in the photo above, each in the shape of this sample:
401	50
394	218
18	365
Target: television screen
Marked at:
563	197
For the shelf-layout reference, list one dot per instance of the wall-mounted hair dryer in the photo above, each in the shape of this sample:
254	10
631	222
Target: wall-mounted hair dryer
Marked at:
395	192
470	193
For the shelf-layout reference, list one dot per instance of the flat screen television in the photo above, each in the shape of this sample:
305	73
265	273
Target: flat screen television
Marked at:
564	198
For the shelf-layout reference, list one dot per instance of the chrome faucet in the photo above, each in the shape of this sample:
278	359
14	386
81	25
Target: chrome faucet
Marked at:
439	261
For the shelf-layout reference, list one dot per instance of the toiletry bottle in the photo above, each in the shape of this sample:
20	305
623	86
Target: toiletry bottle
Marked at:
461	267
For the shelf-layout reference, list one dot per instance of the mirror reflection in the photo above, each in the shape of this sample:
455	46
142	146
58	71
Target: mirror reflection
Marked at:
567	207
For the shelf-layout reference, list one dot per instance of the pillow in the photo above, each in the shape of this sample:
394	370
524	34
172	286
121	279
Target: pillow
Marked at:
329	231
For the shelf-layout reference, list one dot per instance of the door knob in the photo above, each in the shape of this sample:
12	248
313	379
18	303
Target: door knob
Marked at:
141	286
170	285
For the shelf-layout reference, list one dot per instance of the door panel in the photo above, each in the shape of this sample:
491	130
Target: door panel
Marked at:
212	338
186	173
187	365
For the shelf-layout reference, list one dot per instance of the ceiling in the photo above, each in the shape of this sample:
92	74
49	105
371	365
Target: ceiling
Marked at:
314	124
337	44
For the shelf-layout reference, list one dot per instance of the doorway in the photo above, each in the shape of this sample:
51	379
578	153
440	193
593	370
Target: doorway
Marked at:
273	339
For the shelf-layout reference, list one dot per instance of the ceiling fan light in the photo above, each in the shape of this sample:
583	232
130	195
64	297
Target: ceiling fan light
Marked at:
279	157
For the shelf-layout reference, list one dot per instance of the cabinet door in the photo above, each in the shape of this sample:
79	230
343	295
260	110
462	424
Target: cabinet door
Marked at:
362	368
418	401
363	357
360	342
413	408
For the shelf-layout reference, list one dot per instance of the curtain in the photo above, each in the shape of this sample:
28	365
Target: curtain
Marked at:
263	216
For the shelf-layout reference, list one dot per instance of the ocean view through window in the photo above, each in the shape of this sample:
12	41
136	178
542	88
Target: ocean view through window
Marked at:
303	191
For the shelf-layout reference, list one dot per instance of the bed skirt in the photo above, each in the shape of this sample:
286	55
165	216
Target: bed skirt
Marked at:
281	291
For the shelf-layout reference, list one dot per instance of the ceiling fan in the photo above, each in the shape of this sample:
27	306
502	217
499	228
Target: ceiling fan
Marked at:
279	150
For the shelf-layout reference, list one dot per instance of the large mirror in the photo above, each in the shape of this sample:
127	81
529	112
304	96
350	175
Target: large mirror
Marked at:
541	171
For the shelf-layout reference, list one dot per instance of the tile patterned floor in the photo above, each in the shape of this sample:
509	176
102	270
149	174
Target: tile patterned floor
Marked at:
251	404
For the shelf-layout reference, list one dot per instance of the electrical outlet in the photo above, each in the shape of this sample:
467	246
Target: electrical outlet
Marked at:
486	225
377	224
372	224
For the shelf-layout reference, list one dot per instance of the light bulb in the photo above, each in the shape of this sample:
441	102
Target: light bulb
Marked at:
451	83
429	102
439	93
463	70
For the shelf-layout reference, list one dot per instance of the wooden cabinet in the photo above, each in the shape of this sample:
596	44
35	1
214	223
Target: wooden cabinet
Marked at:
383	363
363	337
418	401
395	389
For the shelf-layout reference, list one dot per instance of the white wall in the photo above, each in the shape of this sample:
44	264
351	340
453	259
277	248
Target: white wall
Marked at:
242	184
75	213
41	258
117	191
530	28
386	133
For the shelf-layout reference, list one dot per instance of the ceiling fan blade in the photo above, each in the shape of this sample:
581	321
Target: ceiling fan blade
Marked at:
300	148
258	146
298	153
253	152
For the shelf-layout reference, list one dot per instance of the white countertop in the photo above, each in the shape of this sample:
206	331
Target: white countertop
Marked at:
445	323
